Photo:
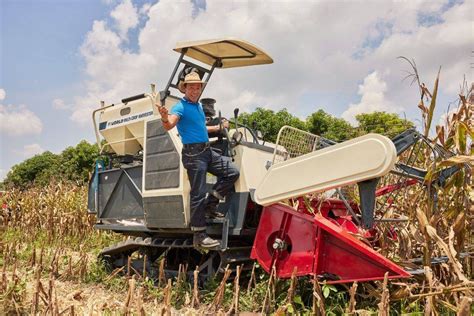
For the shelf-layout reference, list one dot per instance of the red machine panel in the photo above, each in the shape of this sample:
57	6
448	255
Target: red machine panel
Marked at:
317	245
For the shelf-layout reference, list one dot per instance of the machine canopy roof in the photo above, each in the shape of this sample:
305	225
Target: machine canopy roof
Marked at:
228	52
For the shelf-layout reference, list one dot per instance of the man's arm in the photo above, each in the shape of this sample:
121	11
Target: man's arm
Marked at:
169	120
212	128
216	128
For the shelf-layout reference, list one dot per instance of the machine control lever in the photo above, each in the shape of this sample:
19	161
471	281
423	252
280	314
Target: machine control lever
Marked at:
226	133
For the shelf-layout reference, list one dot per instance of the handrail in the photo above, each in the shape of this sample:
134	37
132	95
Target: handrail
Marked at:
95	123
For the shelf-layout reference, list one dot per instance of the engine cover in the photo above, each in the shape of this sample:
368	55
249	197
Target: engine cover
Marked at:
362	158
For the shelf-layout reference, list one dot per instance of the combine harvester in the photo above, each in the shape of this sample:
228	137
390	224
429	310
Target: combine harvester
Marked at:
143	191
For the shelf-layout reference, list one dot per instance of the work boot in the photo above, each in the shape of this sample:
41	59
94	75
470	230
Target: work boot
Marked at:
201	239
211	208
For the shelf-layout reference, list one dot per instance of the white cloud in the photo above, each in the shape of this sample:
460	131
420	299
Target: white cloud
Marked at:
18	121
313	51
373	99
3	94
31	150
125	16
114	73
145	8
59	104
3	174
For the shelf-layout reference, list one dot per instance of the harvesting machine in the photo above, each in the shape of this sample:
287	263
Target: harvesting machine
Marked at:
143	190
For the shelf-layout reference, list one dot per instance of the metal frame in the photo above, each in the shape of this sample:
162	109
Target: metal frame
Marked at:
165	93
313	141
252	54
123	173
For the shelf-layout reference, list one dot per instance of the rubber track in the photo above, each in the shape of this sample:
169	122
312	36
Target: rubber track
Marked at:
135	243
232	256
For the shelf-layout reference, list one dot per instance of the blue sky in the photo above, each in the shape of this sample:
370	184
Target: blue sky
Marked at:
40	62
60	58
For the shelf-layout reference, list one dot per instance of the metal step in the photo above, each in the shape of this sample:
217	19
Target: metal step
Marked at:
225	230
216	220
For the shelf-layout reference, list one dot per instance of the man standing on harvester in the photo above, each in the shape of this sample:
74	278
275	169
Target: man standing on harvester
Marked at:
199	158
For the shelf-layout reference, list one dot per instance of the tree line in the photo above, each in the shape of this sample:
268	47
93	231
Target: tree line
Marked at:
324	124
73	164
76	163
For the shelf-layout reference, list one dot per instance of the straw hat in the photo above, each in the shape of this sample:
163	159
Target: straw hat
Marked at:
192	77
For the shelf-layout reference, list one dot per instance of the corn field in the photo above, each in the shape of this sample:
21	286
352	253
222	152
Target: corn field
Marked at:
48	252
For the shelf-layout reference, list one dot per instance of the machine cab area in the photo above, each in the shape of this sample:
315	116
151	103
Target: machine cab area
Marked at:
204	57
146	183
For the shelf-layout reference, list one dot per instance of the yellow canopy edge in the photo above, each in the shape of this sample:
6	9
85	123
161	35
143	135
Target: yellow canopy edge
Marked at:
230	52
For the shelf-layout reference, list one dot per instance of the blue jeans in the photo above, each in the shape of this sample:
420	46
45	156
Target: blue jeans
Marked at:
198	161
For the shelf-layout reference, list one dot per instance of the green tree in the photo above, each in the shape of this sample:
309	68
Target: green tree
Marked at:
74	163
328	126
77	162
388	124
269	122
40	167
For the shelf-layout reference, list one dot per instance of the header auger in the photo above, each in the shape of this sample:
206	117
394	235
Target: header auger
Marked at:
143	192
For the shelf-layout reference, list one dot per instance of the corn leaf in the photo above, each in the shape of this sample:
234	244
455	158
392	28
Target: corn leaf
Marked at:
460	138
450	253
432	105
457	160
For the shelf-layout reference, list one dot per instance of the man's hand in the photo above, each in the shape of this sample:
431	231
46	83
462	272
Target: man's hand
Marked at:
163	112
225	123
168	120
219	127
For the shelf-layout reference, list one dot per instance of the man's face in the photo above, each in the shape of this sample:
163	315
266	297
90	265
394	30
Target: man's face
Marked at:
192	91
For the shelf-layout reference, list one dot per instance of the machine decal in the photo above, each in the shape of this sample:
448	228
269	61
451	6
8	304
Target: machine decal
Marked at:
124	120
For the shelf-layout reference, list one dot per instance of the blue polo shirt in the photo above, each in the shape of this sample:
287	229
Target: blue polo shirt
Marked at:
192	122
